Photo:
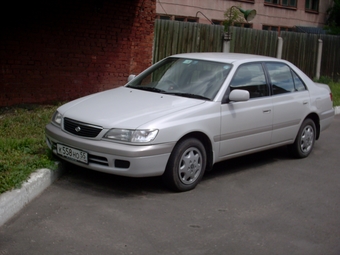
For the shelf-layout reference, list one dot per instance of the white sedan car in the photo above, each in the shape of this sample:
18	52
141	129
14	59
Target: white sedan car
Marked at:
187	112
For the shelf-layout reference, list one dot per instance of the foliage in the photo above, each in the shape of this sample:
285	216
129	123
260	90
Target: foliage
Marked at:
22	144
232	15
335	88
333	21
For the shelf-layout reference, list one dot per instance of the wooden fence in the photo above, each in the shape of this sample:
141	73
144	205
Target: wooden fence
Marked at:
330	64
299	48
172	37
251	41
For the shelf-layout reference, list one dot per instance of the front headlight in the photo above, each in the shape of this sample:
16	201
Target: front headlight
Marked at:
134	136
56	119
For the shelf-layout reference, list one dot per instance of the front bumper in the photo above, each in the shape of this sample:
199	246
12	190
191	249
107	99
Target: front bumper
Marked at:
113	158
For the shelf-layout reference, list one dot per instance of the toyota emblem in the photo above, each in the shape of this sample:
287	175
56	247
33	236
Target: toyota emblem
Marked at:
77	129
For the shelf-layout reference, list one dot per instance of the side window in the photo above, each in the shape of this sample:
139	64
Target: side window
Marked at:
250	77
299	85
281	78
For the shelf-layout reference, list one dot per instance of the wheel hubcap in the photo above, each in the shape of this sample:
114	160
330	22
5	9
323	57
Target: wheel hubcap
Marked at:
307	139
190	166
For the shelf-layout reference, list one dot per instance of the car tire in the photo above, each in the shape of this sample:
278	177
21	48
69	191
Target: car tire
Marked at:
305	139
186	165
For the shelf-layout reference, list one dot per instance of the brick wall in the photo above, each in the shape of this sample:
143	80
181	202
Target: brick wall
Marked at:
60	50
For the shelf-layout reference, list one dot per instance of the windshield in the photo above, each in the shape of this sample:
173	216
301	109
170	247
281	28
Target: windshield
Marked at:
184	77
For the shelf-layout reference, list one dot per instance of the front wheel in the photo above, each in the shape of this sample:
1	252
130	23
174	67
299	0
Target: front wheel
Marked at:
304	142
186	165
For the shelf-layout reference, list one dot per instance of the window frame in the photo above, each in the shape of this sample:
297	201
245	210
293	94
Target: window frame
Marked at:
311	3
279	4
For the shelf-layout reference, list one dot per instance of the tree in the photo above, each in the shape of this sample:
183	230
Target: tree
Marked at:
333	20
232	15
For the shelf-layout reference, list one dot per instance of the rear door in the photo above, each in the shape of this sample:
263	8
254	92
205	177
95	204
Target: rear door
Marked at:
291	101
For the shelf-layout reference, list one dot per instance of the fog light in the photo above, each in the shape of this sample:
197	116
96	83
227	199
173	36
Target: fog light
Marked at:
122	163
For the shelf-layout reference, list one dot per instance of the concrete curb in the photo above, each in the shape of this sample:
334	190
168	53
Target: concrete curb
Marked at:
337	110
11	202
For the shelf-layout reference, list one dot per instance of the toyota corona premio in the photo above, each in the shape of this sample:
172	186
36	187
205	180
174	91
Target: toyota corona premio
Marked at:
189	111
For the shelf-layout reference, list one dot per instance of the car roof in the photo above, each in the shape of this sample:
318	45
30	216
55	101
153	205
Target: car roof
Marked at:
226	57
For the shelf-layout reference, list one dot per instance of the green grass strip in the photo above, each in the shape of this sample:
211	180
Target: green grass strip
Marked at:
22	144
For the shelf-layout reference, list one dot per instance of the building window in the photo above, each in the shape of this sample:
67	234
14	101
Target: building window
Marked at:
312	5
245	25
192	19
166	17
177	18
270	28
277	28
282	3
220	22
217	22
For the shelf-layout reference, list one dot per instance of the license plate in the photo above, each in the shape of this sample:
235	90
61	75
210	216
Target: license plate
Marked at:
72	153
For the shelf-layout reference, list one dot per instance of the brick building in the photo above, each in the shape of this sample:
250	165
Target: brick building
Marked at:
60	50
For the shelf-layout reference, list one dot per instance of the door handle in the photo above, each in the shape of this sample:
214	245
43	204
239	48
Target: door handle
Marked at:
305	102
267	111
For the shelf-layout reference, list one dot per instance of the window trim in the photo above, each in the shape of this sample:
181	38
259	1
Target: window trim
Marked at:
312	10
293	8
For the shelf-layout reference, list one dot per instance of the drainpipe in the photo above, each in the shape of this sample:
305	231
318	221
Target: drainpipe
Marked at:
279	47
318	61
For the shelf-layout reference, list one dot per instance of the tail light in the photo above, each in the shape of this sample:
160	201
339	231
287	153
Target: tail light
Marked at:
331	96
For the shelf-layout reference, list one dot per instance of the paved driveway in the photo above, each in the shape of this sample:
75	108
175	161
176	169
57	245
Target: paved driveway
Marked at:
265	203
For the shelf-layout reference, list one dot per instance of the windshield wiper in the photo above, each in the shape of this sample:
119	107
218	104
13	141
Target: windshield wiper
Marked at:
187	95
152	89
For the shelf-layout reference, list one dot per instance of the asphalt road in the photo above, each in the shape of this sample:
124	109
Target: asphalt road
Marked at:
266	203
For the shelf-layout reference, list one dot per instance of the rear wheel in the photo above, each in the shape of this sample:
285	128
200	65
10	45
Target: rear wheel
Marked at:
305	139
186	165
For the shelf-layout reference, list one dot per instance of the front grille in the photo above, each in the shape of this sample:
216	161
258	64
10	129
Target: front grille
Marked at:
80	128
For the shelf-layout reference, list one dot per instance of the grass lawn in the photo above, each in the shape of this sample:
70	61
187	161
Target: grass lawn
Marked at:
22	140
22	144
335	88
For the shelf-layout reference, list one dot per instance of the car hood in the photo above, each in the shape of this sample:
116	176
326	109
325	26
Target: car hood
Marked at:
124	107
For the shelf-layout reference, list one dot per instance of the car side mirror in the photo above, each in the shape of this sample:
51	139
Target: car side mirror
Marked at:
239	95
131	77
